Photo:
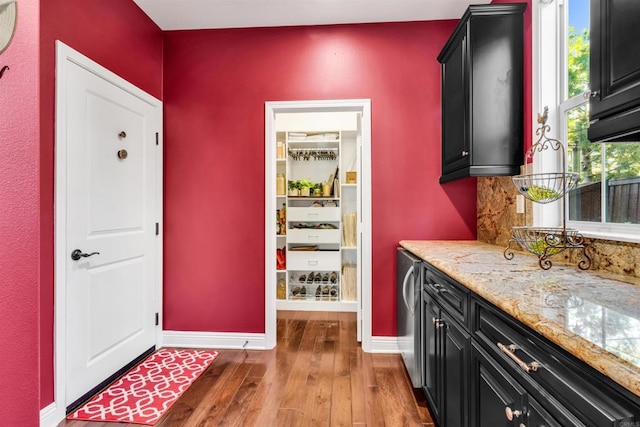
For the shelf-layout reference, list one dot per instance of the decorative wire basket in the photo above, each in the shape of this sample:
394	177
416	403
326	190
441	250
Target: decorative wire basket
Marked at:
545	242
545	187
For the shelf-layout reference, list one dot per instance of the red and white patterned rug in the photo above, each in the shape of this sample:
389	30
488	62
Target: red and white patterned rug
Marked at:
146	392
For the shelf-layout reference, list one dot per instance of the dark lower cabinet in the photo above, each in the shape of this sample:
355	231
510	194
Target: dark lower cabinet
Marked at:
493	392
446	362
537	416
497	400
560	390
455	343
430	368
475	369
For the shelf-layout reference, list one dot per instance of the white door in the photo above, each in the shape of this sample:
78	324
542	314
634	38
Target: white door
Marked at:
111	217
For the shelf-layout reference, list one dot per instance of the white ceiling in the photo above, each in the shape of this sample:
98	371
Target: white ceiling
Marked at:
202	14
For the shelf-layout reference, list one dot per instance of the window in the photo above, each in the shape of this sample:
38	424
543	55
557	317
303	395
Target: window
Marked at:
606	200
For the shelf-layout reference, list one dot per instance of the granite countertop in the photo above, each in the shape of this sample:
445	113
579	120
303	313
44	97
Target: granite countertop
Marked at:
592	314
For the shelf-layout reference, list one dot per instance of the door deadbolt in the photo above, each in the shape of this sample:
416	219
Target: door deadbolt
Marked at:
122	154
122	134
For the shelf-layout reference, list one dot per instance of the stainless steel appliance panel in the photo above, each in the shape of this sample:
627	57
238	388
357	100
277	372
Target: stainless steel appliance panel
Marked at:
408	314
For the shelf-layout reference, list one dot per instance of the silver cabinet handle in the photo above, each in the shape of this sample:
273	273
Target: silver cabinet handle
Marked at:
510	351
404	289
465	153
511	414
591	94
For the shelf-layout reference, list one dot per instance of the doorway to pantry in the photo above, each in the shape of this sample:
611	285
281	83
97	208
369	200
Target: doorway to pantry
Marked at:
318	210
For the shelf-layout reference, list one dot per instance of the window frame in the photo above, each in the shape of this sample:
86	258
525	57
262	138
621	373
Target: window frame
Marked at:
550	89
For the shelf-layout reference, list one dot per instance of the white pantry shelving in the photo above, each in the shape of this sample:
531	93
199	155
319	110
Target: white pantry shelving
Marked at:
317	234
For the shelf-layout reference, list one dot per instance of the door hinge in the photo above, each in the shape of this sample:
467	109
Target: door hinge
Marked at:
157	139
157	228
157	319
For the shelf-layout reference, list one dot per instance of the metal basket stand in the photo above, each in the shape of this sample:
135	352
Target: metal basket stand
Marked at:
546	188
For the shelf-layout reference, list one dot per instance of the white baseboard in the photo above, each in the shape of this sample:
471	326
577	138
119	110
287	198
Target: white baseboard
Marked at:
50	416
232	340
188	339
384	345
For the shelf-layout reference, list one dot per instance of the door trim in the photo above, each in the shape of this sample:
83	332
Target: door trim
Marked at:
64	56
271	109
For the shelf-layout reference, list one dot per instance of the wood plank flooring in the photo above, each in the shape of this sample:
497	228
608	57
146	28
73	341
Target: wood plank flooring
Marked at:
317	375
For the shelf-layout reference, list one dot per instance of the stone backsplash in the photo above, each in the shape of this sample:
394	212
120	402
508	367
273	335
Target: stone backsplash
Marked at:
497	214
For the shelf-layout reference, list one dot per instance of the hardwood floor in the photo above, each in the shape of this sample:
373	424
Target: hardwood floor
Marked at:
317	375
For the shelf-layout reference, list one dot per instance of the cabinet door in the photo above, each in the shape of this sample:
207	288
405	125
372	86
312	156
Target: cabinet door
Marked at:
614	70
494	393
537	416
455	372
431	351
455	142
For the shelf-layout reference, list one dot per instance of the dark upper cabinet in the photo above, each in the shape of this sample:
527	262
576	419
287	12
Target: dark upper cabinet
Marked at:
615	70
455	153
482	93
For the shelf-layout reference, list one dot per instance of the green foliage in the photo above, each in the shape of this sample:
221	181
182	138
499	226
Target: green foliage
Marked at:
578	62
293	185
305	183
623	160
585	156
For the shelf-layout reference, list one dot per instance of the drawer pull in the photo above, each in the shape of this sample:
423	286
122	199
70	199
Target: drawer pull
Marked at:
313	262
312	214
511	414
439	288
438	323
510	351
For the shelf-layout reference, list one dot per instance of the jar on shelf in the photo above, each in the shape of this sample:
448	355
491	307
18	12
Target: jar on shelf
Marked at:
280	185
281	289
280	150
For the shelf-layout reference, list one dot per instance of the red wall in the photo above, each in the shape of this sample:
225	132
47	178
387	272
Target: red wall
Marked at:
119	36
216	84
214	91
19	233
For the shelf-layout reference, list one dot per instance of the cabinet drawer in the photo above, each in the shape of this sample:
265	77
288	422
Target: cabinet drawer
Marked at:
311	235
313	214
573	386
452	296
313	260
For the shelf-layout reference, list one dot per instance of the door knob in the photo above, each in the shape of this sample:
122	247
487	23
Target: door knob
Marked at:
77	254
511	414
